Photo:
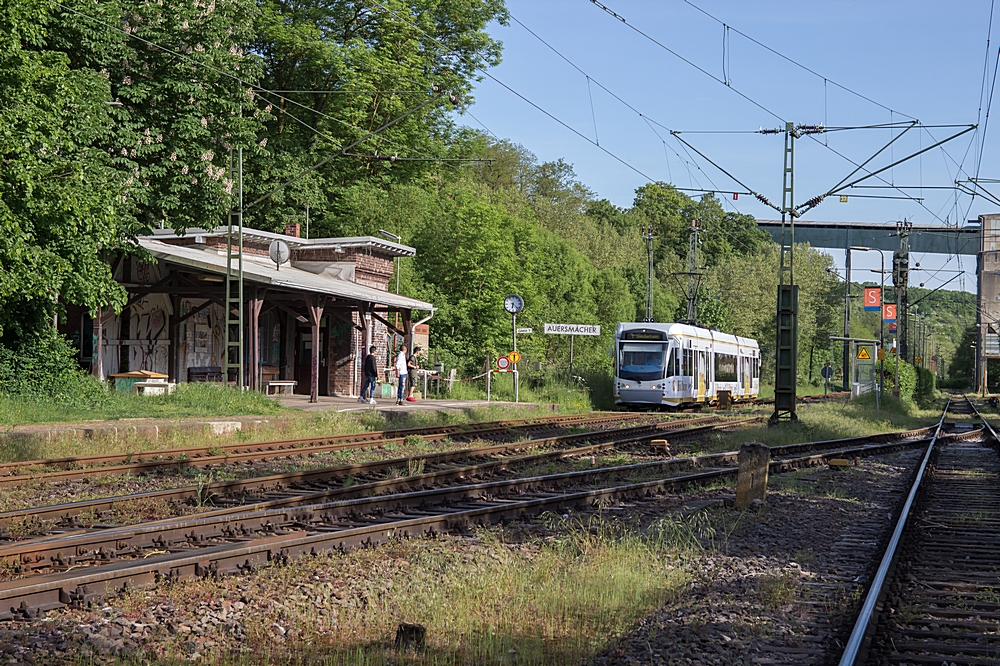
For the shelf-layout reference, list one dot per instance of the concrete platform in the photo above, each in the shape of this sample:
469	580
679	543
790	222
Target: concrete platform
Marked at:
338	404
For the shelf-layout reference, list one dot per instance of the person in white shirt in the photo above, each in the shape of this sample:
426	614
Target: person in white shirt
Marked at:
401	372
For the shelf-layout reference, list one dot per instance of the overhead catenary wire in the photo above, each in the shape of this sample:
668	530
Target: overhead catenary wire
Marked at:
536	106
795	62
261	89
752	101
649	121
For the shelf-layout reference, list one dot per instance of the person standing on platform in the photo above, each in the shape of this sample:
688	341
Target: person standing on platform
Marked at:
411	374
370	373
401	372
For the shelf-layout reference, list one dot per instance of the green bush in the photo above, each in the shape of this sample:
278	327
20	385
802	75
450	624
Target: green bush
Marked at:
45	366
926	387
907	378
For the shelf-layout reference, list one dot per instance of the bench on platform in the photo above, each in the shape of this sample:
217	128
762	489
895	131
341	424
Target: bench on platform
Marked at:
279	385
154	387
208	373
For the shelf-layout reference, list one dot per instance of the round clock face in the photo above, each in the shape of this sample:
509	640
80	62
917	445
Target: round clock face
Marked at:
513	304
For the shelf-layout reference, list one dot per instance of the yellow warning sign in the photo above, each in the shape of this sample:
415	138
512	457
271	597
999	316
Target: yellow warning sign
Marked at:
919	359
514	356
863	354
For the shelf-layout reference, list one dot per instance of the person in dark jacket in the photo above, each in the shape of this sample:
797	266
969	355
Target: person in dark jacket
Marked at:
369	367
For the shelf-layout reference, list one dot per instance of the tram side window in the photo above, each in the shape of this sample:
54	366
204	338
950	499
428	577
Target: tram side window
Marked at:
725	368
686	363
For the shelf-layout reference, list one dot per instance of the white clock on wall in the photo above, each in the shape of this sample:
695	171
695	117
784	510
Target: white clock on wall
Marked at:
513	304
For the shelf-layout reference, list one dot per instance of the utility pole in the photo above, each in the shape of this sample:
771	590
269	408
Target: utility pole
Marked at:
690	285
847	320
787	333
900	280
648	235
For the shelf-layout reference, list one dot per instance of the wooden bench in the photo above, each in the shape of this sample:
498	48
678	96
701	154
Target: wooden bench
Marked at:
208	373
278	384
154	388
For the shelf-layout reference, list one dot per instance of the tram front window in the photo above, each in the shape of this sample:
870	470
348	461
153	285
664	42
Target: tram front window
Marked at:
641	361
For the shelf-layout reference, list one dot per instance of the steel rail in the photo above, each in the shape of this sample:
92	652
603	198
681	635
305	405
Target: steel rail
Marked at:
65	512
864	622
16	552
463	430
104	545
236	458
277	481
76	588
986	424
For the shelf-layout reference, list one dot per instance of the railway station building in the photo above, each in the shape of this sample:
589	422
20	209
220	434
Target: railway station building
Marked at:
331	298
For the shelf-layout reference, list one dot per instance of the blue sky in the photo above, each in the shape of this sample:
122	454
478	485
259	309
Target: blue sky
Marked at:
922	60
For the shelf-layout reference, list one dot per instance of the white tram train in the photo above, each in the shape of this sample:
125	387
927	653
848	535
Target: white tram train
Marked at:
675	365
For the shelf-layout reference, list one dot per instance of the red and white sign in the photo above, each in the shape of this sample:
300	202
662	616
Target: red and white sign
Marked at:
503	364
873	299
889	312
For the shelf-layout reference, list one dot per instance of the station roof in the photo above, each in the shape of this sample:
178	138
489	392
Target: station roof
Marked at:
261	270
381	245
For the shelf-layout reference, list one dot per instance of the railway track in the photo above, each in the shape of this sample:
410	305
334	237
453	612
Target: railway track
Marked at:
145	462
235	540
935	598
300	486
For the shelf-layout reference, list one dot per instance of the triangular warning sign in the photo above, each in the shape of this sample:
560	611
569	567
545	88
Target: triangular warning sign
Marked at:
863	354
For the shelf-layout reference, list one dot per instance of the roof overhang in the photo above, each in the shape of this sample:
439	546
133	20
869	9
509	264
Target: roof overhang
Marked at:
352	242
261	271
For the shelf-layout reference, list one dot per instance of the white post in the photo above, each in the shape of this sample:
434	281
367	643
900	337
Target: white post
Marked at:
489	375
571	339
513	326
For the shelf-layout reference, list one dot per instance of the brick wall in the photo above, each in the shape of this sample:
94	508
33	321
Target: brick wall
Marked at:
371	270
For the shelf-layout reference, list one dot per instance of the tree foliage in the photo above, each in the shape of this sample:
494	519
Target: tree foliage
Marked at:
318	95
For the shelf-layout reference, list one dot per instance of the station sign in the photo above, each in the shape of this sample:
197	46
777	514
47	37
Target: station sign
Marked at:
572	329
873	299
889	312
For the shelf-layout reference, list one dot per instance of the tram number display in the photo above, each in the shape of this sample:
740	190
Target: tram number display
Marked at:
643	334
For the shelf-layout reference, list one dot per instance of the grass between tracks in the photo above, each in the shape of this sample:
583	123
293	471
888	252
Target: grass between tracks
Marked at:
819	422
557	596
292	424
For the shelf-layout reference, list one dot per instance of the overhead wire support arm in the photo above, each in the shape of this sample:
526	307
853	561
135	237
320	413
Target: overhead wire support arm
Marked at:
760	197
909	125
978	190
815	201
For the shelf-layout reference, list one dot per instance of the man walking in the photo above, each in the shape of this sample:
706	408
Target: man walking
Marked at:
370	373
412	365
401	372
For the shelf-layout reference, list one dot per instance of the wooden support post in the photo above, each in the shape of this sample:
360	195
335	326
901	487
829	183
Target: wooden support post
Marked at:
315	304
751	482
97	362
407	331
173	339
254	304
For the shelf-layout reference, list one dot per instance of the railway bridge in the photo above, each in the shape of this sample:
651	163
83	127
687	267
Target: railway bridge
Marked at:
978	238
